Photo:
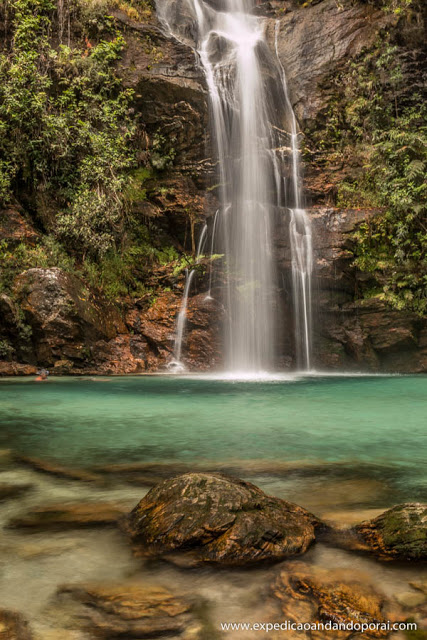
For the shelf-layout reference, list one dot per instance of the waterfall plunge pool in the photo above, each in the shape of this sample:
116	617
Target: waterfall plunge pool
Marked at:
287	430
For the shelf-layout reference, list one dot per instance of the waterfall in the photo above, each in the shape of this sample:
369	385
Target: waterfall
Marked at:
175	364
213	236
301	244
250	107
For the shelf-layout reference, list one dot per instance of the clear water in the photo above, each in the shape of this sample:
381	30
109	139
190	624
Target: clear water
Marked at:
364	438
372	426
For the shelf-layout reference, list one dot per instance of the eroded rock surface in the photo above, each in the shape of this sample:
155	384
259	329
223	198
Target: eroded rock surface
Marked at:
316	39
133	611
313	594
221	520
397	534
13	626
64	316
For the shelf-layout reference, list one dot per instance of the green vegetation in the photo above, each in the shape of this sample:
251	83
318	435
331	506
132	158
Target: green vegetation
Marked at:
65	129
379	130
69	147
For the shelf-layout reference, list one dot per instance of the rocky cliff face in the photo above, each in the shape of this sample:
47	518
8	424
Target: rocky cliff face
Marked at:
57	320
353	333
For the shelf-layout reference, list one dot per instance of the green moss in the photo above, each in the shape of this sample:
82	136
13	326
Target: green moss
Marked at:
65	129
415	634
136	190
6	349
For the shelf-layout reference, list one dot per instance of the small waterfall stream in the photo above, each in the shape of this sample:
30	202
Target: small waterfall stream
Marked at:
301	244
256	139
175	364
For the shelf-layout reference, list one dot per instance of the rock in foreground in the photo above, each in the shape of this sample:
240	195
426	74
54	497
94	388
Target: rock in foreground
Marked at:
399	533
133	611
13	626
220	519
312	594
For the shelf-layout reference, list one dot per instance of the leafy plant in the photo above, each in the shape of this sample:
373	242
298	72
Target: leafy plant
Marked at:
379	129
65	128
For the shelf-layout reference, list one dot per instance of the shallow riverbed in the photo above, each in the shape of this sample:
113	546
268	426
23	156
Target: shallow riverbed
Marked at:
346	448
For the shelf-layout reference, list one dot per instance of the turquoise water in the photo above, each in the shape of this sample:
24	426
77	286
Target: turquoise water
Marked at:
364	438
374	420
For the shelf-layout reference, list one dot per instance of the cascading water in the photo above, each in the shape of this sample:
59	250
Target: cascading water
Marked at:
175	364
213	237
250	106
301	244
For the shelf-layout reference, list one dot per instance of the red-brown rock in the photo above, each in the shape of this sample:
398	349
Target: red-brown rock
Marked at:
221	520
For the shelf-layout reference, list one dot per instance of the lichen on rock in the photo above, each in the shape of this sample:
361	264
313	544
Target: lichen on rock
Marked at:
397	534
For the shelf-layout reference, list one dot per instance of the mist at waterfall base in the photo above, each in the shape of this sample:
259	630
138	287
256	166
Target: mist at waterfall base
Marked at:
255	139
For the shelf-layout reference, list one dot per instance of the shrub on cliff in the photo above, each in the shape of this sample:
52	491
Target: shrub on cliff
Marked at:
375	128
65	127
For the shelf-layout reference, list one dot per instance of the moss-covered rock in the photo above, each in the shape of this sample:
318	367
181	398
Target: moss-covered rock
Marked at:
399	533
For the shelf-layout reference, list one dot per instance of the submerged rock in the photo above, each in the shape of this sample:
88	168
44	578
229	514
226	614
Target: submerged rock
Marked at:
133	611
13	490
399	533
220	520
57	470
13	626
312	594
67	516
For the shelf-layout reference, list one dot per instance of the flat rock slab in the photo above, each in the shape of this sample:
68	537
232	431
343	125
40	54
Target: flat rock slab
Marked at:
313	594
220	520
13	626
133	611
51	468
13	490
68	516
397	534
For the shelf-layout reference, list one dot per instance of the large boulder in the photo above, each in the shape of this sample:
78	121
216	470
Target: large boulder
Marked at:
312	595
65	317
220	520
397	534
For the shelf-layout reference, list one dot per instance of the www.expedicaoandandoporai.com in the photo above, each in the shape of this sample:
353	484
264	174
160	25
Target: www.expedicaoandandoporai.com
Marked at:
360	627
